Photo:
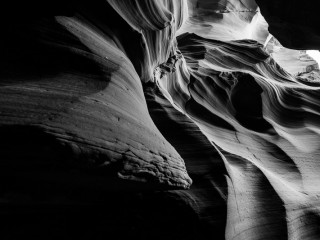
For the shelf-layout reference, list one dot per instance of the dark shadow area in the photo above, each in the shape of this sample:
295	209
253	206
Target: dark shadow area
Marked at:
48	193
42	48
294	23
152	215
204	165
247	102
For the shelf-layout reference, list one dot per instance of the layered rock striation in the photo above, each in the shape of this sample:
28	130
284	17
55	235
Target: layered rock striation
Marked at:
109	109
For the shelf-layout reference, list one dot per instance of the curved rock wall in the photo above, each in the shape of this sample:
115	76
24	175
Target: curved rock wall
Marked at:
68	90
109	108
247	105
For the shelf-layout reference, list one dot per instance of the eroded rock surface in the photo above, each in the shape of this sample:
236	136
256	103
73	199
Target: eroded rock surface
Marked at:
109	109
70	97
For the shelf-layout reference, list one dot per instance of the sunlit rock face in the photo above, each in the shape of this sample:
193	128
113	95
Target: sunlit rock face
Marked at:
225	20
111	108
246	105
293	61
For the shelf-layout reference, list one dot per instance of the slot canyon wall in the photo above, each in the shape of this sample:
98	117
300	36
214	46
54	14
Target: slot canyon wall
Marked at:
159	119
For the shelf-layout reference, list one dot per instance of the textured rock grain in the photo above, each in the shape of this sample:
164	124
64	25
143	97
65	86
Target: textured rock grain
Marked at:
71	85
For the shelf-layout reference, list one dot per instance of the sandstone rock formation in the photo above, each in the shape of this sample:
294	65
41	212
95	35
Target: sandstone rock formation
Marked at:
108	109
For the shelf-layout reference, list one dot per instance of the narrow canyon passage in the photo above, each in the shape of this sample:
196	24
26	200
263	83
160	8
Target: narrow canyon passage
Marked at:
159	119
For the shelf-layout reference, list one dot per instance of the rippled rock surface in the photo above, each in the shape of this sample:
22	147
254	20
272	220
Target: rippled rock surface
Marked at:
154	119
